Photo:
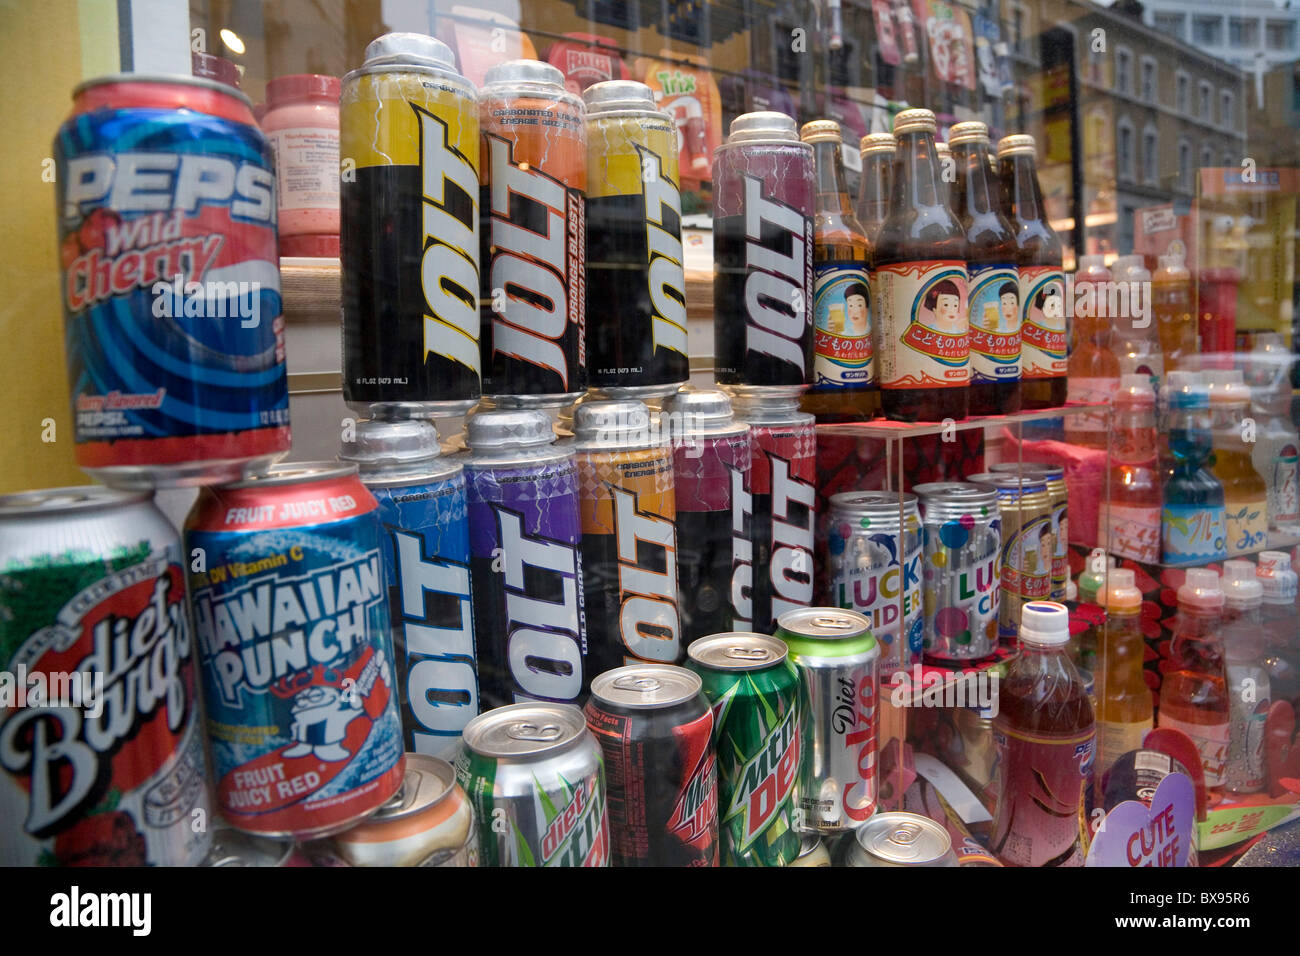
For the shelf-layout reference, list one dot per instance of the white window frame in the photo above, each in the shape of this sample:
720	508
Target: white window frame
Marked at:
1149	61
1227	108
1184	168
1124	165
1123	77
1183	102
1150	161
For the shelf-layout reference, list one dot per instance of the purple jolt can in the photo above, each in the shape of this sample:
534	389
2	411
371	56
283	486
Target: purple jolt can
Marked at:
525	560
764	186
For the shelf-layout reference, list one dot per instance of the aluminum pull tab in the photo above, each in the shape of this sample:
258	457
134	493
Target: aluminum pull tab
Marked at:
640	684
538	732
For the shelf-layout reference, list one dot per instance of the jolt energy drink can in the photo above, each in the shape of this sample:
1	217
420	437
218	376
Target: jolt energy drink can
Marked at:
962	532
533	177
763	191
636	287
425	541
629	536
1054	477
874	550
171	282
838	663
711	471
754	691
1027	545
297	654
408	122
782	505
655	728
536	779
525	560
105	767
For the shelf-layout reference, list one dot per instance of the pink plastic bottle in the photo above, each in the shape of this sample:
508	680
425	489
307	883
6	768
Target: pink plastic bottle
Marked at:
302	123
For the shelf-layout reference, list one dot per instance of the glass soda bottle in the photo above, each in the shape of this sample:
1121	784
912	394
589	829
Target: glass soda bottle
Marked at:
947	173
1093	368
1192	511
1281	634
1131	499
920	287
1194	692
844	363
1276	453
1245	495
1042	283
993	279
1124	700
874	189
1134	341
1171	293
1045	733
1248	685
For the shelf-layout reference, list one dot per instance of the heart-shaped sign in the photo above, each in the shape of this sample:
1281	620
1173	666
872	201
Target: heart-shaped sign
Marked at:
1134	835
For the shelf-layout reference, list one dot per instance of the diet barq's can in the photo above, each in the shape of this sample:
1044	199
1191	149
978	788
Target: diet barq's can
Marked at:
171	282
874	551
711	473
525	560
425	541
837	660
1054	477
764	185
636	288
655	728
962	533
533	176
410	231
782	504
296	650
536	779
629	535
105	767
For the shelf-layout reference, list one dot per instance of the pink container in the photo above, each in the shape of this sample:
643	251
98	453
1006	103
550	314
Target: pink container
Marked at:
302	124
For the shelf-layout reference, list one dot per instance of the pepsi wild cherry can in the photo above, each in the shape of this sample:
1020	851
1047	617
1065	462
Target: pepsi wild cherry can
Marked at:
764	187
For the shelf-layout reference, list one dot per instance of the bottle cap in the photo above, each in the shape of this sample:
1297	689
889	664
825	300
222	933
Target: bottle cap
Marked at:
764	124
1019	144
1071	590
1091	262
1184	390
302	86
913	121
820	131
1240	586
1044	624
524	71
508	428
971	131
1120	592
1201	590
611	96
1275	576
878	143
409	49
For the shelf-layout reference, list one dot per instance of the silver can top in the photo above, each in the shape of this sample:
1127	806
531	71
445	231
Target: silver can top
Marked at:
1010	484
296	473
53	501
404	442
692	411
1030	469
514	72
233	848
953	499
764	125
622	423
409	49
764	405
899	838
824	623
508	428
611	96
880	505
525	730
737	651
427	781
646	686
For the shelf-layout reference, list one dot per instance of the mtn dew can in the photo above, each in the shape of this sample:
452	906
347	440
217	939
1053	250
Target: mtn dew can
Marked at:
536	778
754	691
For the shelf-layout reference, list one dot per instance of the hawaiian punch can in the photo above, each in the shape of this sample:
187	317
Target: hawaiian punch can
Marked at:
1028	545
1054	477
754	691
171	282
838	663
874	550
105	767
636	287
711	472
525	560
410	231
782	506
962	533
655	728
536	779
763	191
425	541
629	536
291	612
533	181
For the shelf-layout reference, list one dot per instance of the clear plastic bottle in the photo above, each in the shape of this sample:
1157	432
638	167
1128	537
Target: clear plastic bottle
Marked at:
1276	453
1280	630
1171	291
1245	495
1094	369
1194	693
1248	684
1131	499
1135	342
1125	710
1045	733
1192	511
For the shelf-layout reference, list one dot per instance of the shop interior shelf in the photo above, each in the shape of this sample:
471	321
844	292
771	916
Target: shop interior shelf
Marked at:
891	430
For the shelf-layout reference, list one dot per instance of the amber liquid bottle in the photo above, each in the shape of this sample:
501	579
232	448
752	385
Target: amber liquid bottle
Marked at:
993	276
844	387
919	281
877	173
1042	283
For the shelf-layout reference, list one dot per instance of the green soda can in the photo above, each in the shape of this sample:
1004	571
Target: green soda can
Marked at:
754	691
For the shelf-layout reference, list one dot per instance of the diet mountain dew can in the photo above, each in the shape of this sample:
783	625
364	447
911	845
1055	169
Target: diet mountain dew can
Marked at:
754	691
536	779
